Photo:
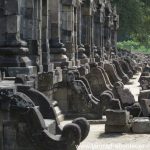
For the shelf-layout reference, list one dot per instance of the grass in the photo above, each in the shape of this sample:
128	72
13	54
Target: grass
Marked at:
134	46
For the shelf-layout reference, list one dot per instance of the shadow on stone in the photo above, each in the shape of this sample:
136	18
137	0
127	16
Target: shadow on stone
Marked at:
110	135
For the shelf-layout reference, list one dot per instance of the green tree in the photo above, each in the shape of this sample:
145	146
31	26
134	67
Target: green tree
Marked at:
134	21
131	16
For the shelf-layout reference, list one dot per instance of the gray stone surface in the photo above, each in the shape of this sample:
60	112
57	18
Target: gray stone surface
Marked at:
141	125
125	96
117	128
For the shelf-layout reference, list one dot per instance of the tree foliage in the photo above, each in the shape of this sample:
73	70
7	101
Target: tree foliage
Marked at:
134	21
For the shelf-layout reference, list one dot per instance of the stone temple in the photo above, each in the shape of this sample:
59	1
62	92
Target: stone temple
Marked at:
59	60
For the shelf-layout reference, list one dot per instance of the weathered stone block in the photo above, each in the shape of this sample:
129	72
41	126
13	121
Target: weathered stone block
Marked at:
115	104
125	96
7	90
117	117
141	125
46	81
145	106
83	71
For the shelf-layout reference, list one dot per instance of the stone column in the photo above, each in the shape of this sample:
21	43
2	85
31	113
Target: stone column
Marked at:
97	34
69	24
79	23
107	28
57	50
31	30
10	40
114	30
81	49
94	48
75	35
45	36
102	23
86	26
38	32
13	49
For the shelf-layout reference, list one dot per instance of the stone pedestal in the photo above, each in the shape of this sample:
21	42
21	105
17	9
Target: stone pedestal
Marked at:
117	121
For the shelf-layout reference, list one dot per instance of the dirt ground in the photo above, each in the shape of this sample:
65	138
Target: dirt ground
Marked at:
98	140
